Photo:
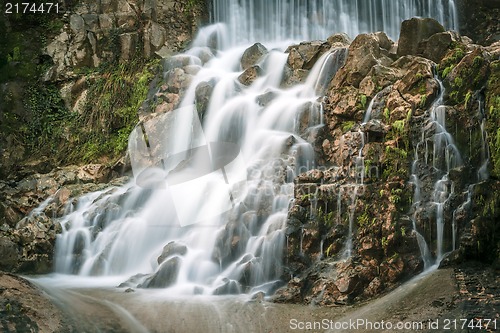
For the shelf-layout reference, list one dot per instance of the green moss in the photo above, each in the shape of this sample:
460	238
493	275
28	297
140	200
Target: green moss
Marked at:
458	82
111	112
493	117
347	126
387	114
395	162
362	99
423	101
478	61
467	98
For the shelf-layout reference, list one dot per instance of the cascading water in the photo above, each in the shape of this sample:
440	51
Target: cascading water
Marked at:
317	19
443	158
172	223
172	227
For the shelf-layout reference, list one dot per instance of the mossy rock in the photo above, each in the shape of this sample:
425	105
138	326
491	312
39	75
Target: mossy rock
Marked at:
470	74
493	117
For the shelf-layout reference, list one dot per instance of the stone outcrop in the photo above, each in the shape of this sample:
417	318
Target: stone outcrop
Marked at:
25	308
414	31
252	55
29	208
100	32
350	228
479	20
302	57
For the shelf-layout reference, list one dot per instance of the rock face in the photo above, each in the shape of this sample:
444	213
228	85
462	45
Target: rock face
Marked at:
73	53
414	31
479	20
25	308
96	33
350	228
252	55
28	235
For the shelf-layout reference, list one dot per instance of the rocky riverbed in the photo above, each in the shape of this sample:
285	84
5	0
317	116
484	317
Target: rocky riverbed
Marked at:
468	292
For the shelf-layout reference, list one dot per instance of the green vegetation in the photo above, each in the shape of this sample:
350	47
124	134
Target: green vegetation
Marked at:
467	98
347	126
447	71
396	163
324	218
362	99
364	219
385	243
493	116
423	101
48	116
458	82
387	114
111	112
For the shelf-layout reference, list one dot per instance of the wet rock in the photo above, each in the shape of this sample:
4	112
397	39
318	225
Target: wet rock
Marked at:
291	293
171	249
165	275
26	308
133	281
305	55
339	40
392	270
8	254
95	173
203	93
374	288
436	46
364	52
311	176
414	31
265	99
250	75
230	242
292	77
252	55
417	90
385	42
178	61
229	287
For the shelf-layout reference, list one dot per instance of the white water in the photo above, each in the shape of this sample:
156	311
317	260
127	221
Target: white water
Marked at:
229	217
257	20
233	236
444	157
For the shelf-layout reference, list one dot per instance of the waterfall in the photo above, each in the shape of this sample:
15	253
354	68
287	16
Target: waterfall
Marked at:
206	211
255	20
444	157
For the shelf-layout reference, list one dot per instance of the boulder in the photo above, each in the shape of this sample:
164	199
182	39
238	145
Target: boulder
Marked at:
229	287
364	53
165	275
414	31
203	92
339	40
170	250
252	55
305	55
8	254
250	75
94	173
436	46
128	42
